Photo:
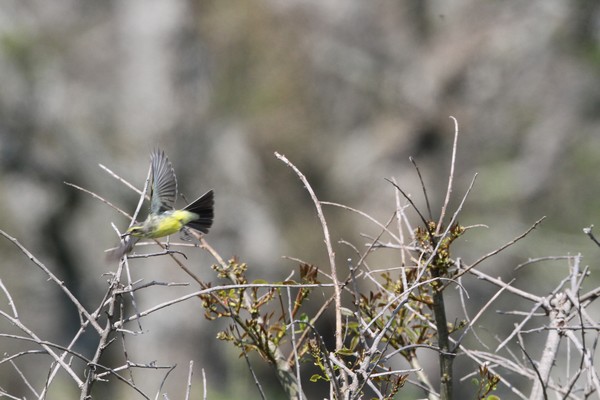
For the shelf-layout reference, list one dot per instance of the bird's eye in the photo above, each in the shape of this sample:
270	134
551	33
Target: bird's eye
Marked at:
133	230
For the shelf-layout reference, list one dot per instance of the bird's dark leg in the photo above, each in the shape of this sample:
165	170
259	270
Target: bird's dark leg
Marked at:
187	236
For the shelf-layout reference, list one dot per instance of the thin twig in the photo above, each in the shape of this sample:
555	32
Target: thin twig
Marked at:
24	379
400	217
407	197
478	315
188	389
412	160
334	275
379	224
119	324
53	277
294	340
104	340
205	388
120	179
500	283
98	197
450	178
143	196
588	231
498	250
249	364
164	380
541	259
539	380
47	346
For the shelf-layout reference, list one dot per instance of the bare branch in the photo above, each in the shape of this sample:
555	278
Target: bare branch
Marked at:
429	213
503	247
330	252
60	283
588	231
188	388
450	177
98	197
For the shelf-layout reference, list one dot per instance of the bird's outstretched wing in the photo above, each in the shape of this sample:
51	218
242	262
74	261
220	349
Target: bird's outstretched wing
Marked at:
164	183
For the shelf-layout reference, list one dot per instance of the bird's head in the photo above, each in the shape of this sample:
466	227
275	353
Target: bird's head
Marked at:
136	230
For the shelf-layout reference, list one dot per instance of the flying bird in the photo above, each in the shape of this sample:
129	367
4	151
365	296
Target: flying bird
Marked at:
163	219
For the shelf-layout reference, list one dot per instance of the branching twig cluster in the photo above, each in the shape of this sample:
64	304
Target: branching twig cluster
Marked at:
386	319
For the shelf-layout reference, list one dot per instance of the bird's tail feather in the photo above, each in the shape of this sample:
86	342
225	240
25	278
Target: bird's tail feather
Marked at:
204	207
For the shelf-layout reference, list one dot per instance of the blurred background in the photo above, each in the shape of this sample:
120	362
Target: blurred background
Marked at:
347	90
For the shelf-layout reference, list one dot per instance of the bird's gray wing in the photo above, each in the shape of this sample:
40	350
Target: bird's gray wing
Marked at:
164	184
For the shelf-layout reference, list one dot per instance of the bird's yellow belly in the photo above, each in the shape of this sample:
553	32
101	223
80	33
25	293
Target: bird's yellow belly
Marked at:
165	227
170	223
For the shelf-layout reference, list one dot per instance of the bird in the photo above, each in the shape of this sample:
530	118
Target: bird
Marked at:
163	219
